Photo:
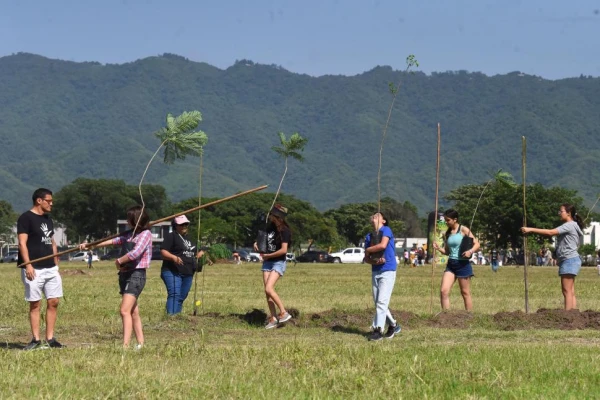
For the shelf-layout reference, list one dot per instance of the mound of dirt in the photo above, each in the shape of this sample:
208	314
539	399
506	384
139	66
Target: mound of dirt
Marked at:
71	272
357	322
451	320
335	318
548	319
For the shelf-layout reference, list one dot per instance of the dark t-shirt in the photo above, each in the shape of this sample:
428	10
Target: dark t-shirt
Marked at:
494	255
39	230
275	239
179	246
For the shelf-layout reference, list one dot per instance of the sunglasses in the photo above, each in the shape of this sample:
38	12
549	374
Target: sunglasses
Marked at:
184	224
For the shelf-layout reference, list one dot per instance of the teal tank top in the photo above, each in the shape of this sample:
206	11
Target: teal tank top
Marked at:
453	243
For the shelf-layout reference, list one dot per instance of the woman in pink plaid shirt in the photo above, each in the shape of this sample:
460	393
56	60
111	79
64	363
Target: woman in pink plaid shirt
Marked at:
136	254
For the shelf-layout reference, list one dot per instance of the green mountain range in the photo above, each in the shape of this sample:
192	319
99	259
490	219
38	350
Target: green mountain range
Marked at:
61	120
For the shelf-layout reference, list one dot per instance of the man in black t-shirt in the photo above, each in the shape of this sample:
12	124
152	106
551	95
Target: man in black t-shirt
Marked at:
35	231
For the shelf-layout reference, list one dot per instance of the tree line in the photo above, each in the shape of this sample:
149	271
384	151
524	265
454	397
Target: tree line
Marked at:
89	208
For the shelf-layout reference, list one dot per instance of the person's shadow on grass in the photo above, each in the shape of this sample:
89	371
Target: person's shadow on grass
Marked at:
12	346
349	330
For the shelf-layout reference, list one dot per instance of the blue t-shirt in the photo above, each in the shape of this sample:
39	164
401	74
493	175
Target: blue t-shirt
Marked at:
389	253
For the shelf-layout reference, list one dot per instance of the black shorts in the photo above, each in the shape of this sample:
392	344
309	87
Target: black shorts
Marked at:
132	282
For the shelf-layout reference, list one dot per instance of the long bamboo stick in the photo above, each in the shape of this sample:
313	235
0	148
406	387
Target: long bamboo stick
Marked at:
198	237
525	252
435	216
170	217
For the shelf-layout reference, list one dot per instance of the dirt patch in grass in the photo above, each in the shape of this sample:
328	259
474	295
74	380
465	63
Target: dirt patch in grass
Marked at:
358	321
73	272
548	319
451	320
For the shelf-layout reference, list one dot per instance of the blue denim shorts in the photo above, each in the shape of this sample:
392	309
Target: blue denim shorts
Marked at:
277	266
460	268
570	266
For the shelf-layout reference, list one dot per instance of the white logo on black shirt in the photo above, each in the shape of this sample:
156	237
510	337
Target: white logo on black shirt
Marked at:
189	249
271	245
47	238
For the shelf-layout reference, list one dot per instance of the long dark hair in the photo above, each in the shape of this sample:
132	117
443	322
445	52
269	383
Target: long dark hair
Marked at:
136	213
570	208
453	214
281	225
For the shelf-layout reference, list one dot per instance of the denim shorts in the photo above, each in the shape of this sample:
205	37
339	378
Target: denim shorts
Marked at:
132	282
570	266
277	266
460	268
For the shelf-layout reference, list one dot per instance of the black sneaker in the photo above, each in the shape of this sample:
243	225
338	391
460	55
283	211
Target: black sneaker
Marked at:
35	345
376	335
392	330
54	344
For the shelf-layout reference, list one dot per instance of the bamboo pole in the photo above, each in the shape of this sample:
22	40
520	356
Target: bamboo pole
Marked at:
170	217
435	216
198	237
525	252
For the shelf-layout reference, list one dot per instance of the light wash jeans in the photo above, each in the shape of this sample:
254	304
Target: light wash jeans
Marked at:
383	284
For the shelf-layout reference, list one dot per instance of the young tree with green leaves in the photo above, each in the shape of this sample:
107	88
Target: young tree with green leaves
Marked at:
292	147
179	140
411	61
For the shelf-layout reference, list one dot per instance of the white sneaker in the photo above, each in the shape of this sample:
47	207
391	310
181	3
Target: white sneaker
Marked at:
286	317
272	324
138	347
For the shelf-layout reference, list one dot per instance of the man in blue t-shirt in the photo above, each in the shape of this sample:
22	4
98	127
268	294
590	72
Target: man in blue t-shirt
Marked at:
380	253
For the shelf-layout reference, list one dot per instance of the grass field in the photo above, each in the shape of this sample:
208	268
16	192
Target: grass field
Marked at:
225	353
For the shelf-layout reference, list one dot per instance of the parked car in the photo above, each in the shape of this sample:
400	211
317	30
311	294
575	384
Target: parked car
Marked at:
313	256
254	257
349	255
111	255
243	254
83	256
11	256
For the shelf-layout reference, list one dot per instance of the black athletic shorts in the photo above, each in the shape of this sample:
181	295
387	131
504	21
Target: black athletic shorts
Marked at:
132	282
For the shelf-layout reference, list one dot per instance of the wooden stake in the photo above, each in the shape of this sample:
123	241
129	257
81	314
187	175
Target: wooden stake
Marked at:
170	217
525	252
198	237
435	217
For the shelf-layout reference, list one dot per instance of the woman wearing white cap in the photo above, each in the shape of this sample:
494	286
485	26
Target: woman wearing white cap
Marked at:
180	258
279	238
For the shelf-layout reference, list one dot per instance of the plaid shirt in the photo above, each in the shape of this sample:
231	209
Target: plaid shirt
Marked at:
141	255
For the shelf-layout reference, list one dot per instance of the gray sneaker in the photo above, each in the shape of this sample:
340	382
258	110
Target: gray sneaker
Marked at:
286	317
273	322
35	345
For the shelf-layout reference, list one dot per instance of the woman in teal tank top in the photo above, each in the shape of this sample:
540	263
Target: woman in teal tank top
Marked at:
458	267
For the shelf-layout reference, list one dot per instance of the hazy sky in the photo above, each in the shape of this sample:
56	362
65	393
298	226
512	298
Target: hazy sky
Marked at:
551	38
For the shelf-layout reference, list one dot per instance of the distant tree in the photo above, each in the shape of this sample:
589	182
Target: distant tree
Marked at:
587	249
500	216
352	220
90	207
8	218
237	222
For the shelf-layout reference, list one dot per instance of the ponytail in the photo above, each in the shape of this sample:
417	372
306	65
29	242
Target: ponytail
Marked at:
576	217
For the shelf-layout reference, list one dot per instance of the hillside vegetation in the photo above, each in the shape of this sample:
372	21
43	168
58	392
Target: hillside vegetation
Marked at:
61	120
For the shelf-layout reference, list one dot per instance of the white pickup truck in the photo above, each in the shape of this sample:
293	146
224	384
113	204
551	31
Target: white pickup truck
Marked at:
349	255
